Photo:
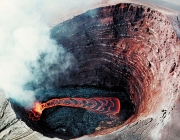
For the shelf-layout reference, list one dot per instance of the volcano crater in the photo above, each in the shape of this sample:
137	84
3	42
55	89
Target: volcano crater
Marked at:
125	51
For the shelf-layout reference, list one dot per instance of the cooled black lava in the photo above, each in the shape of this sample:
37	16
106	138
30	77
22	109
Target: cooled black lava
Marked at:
67	122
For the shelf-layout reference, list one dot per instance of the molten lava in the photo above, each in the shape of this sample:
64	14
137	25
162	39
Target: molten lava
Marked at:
101	105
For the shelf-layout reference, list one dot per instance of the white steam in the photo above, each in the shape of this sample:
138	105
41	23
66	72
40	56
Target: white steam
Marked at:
24	36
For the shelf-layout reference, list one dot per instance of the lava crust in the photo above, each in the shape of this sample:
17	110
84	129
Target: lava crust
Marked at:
100	105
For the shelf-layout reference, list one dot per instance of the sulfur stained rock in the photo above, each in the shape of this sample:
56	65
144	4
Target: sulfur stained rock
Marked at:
125	45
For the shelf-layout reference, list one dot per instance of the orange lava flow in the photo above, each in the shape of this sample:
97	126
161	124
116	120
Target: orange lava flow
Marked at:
101	105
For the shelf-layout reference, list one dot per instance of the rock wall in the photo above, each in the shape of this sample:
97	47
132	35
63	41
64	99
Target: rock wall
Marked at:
129	46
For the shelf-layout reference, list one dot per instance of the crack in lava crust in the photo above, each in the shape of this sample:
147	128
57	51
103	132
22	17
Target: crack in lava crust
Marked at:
101	105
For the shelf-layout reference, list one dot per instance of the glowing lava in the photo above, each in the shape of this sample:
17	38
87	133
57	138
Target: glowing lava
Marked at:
101	105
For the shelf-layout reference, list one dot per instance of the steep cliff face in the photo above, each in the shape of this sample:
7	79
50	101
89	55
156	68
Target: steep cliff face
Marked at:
126	46
134	50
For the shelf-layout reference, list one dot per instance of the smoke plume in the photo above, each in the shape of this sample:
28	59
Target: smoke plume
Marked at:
27	53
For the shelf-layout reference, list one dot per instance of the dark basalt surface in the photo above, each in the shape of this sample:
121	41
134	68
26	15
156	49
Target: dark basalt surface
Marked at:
67	122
